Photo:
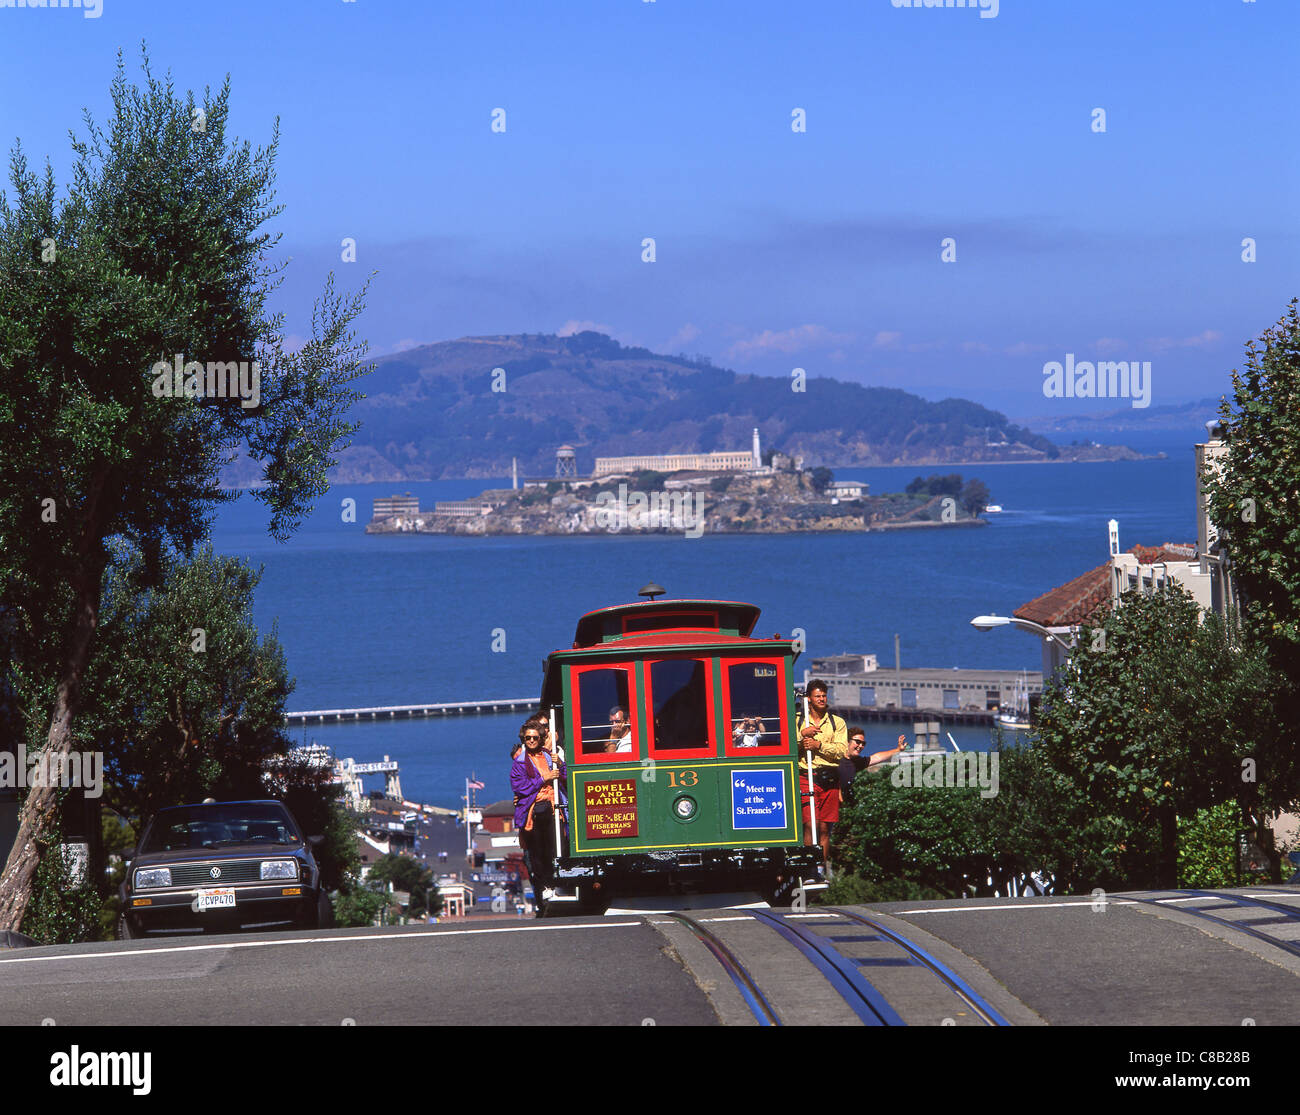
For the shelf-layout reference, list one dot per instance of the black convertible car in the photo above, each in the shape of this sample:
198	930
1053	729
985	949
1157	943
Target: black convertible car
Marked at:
219	866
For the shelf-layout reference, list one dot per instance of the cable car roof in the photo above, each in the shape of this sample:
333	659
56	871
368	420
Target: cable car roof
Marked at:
718	617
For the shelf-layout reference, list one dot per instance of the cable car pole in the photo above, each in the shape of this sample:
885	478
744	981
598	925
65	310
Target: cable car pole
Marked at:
812	790
555	758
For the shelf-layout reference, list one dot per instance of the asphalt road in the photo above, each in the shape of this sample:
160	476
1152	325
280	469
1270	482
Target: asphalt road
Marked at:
1035	961
615	972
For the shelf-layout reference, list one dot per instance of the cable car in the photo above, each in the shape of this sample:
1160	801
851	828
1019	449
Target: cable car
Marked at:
678	727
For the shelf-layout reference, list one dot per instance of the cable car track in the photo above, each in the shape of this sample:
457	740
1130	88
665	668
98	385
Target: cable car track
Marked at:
955	983
1239	902
755	1000
840	971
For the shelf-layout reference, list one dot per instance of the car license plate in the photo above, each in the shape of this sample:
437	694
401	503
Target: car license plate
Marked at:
217	899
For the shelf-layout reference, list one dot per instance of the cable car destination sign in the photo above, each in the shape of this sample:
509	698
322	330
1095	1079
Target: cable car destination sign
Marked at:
610	807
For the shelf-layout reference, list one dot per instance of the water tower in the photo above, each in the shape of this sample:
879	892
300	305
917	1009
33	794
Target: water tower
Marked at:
566	463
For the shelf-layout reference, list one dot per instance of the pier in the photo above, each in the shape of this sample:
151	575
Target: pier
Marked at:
411	712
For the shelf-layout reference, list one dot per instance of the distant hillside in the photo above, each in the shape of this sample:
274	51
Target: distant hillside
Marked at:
431	413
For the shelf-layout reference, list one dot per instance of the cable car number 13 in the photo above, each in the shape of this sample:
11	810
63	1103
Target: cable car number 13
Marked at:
683	778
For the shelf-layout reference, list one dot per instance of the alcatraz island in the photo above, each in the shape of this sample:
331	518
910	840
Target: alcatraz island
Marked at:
745	492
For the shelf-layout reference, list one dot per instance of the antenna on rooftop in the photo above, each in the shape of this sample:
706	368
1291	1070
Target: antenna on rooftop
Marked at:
652	590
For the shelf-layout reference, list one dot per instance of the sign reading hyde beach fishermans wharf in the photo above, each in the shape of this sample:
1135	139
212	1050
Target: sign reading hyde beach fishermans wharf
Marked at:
610	808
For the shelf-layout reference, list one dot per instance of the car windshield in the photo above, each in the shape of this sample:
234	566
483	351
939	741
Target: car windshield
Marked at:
219	825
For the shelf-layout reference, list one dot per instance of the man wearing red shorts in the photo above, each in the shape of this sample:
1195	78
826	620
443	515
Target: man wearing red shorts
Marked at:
826	736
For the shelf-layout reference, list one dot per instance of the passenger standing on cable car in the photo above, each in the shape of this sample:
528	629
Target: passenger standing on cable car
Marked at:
535	777
826	736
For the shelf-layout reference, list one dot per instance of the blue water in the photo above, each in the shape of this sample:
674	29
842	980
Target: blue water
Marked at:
380	620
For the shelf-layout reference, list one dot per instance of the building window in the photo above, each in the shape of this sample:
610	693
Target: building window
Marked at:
867	696
909	698
950	699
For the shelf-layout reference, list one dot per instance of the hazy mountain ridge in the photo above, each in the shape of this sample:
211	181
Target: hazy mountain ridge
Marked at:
432	413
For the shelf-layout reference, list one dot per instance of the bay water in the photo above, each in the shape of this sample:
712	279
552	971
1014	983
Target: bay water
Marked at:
370	620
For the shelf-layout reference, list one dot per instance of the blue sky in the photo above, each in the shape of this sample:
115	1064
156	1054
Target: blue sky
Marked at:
775	249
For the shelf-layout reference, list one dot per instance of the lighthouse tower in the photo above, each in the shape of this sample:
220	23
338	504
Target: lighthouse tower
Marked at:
758	456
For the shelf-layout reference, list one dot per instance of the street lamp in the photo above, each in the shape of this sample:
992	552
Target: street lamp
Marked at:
988	623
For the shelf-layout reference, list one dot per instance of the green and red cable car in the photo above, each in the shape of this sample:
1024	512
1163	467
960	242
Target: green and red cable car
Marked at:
699	792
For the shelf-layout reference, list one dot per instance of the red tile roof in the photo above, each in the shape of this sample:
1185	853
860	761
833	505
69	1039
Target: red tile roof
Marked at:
1088	595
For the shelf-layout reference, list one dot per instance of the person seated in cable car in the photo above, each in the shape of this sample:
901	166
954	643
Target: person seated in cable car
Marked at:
620	732
537	778
748	731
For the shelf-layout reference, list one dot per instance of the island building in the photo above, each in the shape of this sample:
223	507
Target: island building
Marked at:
858	686
725	461
387	507
847	489
462	508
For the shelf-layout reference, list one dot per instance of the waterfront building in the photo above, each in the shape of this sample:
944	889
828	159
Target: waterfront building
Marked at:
857	684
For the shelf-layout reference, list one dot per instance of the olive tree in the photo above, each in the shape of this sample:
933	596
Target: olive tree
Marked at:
155	255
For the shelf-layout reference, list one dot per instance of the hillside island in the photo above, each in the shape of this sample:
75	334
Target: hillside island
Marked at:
739	494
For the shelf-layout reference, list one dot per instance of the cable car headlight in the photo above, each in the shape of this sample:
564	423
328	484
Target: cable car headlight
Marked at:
685	808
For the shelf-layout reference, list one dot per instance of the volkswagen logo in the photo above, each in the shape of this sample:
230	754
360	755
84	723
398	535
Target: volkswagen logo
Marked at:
215	873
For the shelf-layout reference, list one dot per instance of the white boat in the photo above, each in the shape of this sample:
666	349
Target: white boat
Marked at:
1017	719
993	509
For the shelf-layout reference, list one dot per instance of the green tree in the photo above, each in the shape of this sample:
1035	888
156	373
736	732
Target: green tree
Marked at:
1160	713
156	249
409	875
974	496
820	478
1254	494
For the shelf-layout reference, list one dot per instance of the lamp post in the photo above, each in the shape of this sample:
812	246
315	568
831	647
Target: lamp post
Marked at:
988	623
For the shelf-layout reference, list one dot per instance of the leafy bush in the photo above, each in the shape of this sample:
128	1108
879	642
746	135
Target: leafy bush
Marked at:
1207	847
61	912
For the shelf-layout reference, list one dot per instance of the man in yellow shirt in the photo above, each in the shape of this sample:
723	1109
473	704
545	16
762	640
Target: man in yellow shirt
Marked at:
827	737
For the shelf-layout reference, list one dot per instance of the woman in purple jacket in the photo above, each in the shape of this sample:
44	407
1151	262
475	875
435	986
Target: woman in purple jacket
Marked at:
537	779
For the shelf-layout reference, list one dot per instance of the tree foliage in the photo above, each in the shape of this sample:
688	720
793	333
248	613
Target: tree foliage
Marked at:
408	874
155	251
1160	713
1255	494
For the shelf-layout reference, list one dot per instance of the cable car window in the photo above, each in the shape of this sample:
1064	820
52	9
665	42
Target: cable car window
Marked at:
755	697
605	711
678	687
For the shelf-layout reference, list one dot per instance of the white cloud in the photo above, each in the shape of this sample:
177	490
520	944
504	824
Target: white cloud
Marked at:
786	341
572	327
886	339
1200	340
684	336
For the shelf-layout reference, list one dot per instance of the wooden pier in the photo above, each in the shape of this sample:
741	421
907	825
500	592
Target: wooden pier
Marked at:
411	712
